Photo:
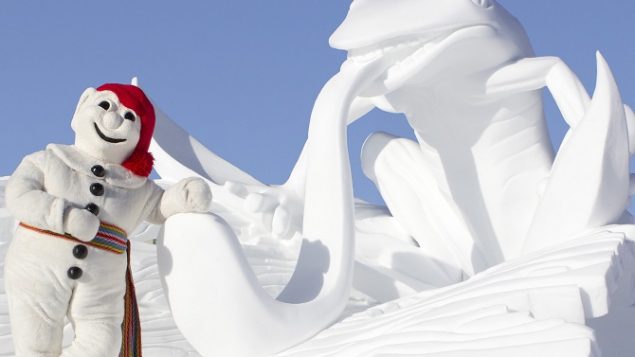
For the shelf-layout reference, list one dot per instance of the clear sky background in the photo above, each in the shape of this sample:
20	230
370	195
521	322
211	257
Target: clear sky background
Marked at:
240	75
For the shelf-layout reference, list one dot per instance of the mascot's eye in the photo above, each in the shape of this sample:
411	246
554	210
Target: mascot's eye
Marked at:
129	116
104	105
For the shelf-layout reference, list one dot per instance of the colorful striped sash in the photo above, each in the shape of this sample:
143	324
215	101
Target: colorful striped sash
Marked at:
109	237
115	240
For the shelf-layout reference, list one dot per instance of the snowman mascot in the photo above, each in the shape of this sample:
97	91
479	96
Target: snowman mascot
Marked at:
76	204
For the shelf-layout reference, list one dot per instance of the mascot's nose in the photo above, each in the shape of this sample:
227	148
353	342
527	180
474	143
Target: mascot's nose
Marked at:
112	121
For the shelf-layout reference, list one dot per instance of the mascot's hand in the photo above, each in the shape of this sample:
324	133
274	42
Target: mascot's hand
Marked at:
81	224
188	195
197	195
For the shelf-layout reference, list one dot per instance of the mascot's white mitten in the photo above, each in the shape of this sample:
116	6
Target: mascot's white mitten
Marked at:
197	194
188	195
81	224
75	204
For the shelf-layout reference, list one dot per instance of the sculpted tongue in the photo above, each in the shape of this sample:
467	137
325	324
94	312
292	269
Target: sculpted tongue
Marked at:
318	291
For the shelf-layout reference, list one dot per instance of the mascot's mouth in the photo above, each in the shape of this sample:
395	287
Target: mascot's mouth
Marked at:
106	138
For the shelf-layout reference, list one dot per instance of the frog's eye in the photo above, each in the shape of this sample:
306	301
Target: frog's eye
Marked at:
105	105
483	3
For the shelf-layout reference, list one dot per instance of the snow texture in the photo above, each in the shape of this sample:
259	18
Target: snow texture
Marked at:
537	303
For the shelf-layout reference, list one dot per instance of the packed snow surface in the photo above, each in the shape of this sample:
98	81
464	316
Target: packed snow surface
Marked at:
535	304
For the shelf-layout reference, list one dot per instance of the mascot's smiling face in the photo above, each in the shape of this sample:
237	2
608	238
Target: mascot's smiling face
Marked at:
105	128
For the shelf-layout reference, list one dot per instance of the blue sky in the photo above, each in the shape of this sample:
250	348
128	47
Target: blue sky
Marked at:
241	75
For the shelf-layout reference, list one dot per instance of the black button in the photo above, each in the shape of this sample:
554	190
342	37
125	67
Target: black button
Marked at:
97	189
80	251
98	171
92	208
74	273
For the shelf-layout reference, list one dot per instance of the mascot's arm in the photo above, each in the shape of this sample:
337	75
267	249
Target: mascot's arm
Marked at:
28	201
188	195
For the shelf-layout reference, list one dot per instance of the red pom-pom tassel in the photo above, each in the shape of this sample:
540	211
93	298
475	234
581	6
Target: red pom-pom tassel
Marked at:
139	163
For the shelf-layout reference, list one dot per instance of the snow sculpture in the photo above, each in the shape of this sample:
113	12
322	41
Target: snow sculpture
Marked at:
479	188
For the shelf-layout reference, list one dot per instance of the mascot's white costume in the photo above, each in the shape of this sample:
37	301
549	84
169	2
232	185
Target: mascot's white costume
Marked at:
75	204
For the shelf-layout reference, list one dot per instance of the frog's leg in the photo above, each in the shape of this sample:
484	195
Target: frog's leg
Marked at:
424	210
589	182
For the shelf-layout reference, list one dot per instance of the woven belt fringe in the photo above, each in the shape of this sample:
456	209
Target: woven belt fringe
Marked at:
131	326
115	240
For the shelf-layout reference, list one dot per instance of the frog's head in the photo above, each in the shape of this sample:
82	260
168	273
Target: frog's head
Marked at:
430	41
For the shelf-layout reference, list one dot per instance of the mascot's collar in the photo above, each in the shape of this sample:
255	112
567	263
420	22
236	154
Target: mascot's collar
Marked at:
116	175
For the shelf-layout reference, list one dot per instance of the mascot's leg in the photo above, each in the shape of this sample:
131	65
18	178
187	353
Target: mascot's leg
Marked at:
36	331
38	294
97	307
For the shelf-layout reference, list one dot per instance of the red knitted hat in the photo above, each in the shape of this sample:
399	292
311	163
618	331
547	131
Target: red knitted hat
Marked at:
140	161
